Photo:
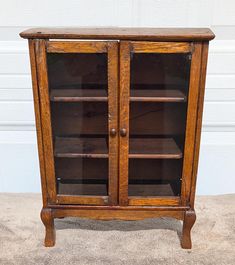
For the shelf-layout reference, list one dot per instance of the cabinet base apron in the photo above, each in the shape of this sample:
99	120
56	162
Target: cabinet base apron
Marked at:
186	214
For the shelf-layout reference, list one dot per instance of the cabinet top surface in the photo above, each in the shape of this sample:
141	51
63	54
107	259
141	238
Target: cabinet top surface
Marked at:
116	33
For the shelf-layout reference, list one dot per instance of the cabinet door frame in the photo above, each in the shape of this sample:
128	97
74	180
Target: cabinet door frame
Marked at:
42	47
126	47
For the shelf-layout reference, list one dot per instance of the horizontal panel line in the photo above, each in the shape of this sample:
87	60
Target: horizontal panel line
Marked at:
15	74
16	123
220	101
16	100
7	52
219	88
218	74
218	124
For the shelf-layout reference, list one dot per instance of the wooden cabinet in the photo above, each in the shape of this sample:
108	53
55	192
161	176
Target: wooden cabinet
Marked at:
118	115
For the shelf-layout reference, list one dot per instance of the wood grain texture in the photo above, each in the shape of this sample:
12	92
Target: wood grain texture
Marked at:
124	121
76	46
119	207
205	47
189	220
113	147
161	47
38	120
117	214
154	34
191	123
170	201
48	221
46	118
117	148
84	199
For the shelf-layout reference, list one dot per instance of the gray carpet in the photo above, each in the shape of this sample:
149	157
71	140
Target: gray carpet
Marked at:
80	241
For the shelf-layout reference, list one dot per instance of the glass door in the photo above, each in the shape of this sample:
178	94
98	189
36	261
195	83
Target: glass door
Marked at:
154	102
82	97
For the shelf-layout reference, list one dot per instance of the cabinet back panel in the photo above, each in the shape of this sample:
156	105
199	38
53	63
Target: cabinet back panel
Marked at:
80	118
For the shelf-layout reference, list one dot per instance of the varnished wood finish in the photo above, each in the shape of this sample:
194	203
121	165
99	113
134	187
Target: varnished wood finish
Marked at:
124	121
38	120
205	47
48	221
46	118
118	155
152	34
154	200
86	200
191	123
161	47
75	46
118	207
188	222
113	121
117	214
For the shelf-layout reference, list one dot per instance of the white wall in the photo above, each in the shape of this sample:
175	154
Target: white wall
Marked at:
19	171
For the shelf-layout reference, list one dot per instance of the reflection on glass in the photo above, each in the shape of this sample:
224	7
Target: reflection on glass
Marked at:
158	109
78	89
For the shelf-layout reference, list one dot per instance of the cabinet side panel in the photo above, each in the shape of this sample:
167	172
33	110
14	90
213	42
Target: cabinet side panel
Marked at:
204	57
38	120
191	123
46	118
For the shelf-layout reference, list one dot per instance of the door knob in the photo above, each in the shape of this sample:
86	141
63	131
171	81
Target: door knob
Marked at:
123	132
113	132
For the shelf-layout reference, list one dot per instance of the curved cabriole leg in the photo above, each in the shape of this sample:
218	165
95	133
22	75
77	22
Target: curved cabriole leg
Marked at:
48	221
189	220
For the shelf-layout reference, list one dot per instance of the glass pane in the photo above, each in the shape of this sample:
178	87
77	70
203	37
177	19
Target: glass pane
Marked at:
79	111
158	109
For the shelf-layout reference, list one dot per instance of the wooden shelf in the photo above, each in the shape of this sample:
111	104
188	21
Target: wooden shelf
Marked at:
150	148
160	148
100	95
78	95
81	147
157	95
150	190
